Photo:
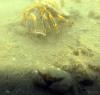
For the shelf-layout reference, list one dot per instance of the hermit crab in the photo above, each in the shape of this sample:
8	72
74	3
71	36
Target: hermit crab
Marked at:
42	19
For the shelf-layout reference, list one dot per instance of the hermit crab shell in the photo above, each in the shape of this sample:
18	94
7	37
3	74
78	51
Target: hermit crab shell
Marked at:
42	19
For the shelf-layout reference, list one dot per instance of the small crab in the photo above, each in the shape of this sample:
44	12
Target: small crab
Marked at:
41	19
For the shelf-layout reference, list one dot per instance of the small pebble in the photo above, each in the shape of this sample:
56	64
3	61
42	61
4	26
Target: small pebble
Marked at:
7	91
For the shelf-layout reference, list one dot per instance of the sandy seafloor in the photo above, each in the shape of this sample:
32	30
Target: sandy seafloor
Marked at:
76	52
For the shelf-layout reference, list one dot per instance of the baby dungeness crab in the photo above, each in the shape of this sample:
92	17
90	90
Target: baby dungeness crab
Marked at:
41	19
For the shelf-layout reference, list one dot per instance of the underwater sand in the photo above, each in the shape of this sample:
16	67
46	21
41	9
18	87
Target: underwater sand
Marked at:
22	54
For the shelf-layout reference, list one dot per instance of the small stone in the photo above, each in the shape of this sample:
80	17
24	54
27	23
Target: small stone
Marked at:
7	91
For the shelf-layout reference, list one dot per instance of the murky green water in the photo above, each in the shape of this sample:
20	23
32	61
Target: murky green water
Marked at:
21	54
